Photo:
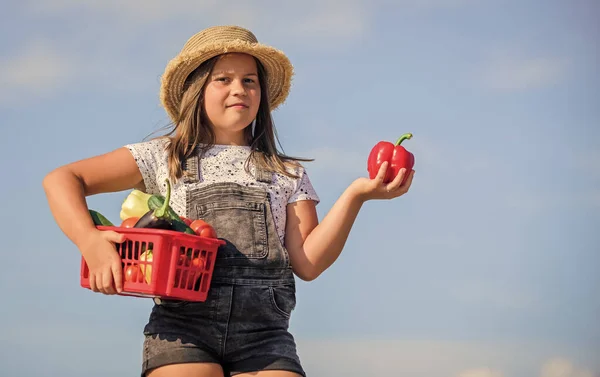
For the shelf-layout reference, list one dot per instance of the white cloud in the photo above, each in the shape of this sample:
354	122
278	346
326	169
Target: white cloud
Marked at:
330	19
41	69
133	11
71	349
436	4
513	72
156	10
379	358
480	372
156	29
67	346
144	35
415	358
37	69
560	367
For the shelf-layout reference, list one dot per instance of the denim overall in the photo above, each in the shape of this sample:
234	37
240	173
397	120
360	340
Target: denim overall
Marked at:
243	324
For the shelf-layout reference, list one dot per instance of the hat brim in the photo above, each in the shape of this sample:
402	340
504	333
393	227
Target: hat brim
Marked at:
278	67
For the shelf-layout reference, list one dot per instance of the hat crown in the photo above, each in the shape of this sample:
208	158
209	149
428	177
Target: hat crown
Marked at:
219	34
215	41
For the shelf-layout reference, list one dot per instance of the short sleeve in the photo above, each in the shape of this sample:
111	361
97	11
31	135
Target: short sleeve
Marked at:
151	159
304	189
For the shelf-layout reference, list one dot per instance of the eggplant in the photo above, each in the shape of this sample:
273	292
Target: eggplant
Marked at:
158	218
153	221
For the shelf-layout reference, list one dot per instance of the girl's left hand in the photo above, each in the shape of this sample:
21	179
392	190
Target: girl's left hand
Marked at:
368	189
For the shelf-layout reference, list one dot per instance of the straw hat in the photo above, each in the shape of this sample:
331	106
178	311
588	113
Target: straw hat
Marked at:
219	40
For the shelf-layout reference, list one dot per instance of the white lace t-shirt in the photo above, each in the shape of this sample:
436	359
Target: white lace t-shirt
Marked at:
221	163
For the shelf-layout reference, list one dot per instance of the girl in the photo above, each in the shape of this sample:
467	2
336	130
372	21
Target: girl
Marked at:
222	159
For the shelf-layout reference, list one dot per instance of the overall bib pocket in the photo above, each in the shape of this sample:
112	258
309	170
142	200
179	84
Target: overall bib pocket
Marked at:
232	219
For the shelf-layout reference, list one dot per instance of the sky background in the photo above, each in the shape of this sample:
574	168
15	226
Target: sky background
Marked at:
488	267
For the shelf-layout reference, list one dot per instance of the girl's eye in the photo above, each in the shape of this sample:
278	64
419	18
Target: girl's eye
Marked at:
227	80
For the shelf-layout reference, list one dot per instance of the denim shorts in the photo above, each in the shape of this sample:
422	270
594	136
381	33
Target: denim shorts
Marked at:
242	328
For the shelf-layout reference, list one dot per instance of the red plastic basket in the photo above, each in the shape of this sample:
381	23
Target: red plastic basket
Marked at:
180	267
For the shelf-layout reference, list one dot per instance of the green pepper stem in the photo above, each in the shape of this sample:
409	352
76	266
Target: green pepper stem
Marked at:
162	210
404	137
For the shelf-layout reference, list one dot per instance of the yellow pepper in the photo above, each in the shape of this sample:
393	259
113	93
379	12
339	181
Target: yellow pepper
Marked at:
146	267
135	205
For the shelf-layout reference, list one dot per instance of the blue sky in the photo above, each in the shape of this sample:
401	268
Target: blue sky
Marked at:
487	268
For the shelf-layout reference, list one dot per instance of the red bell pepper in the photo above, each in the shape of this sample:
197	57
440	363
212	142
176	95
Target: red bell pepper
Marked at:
395	155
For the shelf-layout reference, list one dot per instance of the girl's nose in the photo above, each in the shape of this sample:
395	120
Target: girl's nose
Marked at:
238	88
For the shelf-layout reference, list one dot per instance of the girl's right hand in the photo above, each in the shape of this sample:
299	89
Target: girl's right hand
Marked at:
375	188
104	263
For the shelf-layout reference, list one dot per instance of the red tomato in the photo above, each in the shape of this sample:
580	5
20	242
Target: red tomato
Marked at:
198	263
181	275
183	260
130	222
203	229
133	273
186	221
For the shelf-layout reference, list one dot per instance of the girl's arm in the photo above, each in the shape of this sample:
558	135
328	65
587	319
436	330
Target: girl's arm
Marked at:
314	247
66	188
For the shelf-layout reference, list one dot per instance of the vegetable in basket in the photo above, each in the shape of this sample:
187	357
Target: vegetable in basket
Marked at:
99	219
135	205
130	222
133	273
138	203
147	268
157	201
180	226
203	229
158	218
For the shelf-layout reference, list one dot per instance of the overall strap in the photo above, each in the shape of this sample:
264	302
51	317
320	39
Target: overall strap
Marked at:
190	169
263	175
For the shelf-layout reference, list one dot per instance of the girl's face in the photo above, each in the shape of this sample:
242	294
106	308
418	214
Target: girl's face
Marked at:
232	97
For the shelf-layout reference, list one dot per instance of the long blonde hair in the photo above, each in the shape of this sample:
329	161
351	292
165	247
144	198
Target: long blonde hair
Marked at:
191	129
